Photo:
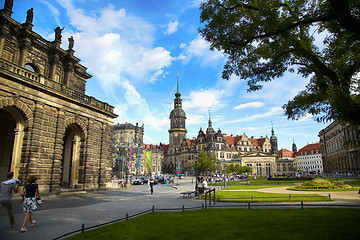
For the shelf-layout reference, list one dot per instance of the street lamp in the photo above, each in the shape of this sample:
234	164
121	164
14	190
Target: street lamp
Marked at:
225	183
196	173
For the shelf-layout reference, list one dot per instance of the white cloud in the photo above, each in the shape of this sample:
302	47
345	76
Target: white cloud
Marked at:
201	49
201	101
273	111
249	105
172	27
55	12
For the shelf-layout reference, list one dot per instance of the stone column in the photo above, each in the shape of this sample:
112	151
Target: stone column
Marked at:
24	46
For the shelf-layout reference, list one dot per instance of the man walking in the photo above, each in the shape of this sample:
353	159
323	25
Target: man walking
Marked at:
6	189
151	183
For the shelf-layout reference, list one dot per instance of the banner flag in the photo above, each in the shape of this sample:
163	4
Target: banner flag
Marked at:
137	167
148	159
130	156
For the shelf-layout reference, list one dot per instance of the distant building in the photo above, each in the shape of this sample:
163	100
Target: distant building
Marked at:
340	148
180	153
285	162
308	159
261	163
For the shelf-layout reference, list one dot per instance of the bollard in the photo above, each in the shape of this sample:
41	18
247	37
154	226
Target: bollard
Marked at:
329	196
252	197
290	196
153	208
302	205
248	205
183	208
82	228
127	216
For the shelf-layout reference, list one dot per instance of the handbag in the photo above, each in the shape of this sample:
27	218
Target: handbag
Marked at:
38	200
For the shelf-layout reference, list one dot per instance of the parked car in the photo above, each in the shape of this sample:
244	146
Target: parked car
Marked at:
170	180
159	180
140	181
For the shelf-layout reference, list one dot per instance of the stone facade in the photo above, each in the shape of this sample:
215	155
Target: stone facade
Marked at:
340	148
49	127
261	163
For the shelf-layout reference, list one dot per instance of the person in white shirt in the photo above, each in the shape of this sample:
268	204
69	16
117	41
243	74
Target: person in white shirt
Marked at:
6	189
151	183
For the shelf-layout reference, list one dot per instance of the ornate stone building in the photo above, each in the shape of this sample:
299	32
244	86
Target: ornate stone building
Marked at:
131	156
180	153
340	148
49	127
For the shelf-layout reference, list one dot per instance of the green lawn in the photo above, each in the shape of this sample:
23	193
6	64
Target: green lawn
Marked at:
253	186
246	196
289	224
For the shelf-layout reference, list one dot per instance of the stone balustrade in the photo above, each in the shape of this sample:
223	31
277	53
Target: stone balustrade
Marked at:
41	79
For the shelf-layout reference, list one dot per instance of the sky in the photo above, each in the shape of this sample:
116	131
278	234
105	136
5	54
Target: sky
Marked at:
137	50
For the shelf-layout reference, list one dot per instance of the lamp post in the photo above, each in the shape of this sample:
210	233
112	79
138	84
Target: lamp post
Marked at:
196	173
225	183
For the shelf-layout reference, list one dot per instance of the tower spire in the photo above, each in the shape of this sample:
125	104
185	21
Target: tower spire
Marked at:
177	83
177	100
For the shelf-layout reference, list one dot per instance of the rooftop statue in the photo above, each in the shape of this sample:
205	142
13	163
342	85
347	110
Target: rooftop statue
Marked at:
71	43
30	15
9	4
58	31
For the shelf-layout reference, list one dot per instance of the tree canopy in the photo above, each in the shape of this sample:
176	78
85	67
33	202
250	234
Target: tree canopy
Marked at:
263	39
237	169
206	163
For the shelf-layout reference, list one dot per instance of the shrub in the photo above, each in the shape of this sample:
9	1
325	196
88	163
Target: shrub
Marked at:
324	184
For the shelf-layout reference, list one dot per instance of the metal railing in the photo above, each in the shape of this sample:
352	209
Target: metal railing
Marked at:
248	205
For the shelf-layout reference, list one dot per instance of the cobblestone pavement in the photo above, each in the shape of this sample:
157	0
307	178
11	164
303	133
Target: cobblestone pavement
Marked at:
61	214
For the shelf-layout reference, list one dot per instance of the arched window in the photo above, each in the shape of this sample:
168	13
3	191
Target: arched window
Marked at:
31	67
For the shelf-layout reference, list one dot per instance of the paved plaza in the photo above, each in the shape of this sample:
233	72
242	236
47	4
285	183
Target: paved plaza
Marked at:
65	213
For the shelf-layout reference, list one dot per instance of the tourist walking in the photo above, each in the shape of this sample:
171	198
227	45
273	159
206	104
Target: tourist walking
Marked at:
151	183
6	189
29	201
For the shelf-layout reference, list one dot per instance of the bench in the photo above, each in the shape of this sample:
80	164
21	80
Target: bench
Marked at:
188	193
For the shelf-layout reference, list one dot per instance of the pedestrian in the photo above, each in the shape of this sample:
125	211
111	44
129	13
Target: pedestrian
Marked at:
205	184
6	189
29	201
151	183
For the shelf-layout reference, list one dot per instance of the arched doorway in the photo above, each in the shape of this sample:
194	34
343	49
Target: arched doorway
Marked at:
11	140
71	157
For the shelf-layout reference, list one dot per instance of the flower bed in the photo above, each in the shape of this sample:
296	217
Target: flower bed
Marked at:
324	184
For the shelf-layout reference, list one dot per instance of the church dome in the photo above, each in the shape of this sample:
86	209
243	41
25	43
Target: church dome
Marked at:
177	112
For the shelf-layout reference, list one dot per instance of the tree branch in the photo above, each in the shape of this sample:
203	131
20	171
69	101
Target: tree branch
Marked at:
290	27
344	17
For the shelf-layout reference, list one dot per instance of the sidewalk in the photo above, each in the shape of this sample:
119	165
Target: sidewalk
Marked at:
65	213
59	215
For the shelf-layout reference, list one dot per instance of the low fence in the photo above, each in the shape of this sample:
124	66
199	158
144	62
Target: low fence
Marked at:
210	197
204	205
291	197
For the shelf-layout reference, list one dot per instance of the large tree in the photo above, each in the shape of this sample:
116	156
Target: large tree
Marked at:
263	39
205	163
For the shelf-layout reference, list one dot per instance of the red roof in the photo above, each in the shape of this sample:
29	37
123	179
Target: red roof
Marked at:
309	149
286	153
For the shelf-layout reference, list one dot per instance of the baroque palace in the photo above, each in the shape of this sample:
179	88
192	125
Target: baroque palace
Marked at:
49	127
258	153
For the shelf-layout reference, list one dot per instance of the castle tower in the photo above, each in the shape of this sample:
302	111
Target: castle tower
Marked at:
294	148
273	141
177	131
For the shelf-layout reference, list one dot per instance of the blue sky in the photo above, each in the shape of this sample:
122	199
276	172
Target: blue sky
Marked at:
134	50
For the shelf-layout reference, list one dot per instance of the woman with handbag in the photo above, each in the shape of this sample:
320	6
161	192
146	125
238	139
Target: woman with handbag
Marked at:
29	201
